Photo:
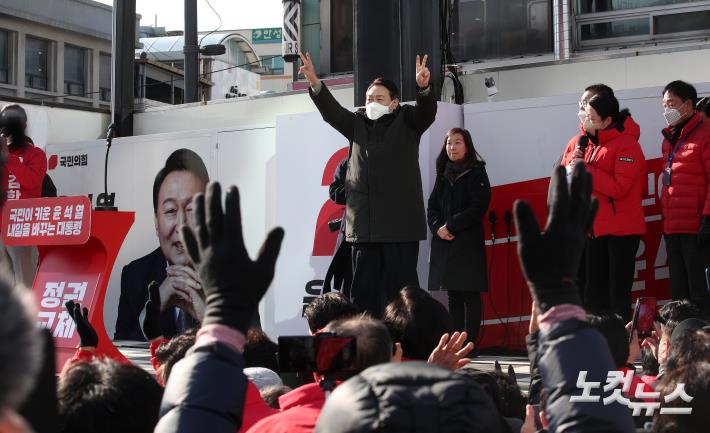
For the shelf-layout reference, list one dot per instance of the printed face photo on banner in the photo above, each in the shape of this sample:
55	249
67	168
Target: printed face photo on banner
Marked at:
183	175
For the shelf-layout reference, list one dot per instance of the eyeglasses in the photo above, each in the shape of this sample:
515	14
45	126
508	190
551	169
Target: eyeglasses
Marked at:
583	104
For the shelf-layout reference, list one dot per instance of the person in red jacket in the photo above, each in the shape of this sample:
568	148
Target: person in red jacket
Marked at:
685	196
617	164
25	167
589	92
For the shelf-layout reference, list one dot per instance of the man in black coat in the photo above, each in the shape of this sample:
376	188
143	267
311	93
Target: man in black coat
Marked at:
384	214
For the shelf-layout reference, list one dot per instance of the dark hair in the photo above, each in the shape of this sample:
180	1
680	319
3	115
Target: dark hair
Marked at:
649	363
471	153
611	326
696	378
172	351
260	351
20	351
271	394
683	90
678	311
689	348
606	105
417	321
180	160
388	84
326	308
16	107
599	88
108	396
374	344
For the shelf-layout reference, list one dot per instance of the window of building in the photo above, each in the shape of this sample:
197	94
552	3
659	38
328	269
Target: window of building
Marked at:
105	77
341	36
74	70
36	63
619	22
4	56
500	29
272	64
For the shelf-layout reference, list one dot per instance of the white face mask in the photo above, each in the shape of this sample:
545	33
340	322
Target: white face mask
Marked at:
582	115
672	116
376	110
588	126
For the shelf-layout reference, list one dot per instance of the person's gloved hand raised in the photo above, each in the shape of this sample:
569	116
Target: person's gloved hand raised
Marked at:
151	321
87	334
234	284
550	259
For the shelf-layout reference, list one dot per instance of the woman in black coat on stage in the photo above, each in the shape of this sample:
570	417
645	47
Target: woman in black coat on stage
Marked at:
457	206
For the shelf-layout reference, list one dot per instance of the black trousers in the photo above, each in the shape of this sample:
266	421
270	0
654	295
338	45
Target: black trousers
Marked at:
380	271
686	265
466	309
611	264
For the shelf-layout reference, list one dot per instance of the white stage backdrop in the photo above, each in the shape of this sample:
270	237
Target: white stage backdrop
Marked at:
279	172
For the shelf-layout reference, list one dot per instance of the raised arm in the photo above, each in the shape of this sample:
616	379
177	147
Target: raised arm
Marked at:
340	118
424	113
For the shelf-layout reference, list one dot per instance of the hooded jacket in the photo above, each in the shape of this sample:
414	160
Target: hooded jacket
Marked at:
618	168
300	409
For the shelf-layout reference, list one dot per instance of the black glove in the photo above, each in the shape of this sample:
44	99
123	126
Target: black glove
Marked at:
87	334
233	283
151	321
550	260
704	232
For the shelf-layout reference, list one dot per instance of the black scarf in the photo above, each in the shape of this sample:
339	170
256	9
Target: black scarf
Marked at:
673	134
453	170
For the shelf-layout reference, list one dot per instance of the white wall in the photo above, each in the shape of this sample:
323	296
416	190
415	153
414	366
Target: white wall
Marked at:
629	72
230	113
51	125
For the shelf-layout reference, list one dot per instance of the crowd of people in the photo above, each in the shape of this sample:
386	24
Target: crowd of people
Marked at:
410	370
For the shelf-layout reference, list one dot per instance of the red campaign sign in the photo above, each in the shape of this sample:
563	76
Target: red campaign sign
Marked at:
46	221
52	291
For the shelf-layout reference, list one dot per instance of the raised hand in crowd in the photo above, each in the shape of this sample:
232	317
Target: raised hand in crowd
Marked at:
234	284
87	334
550	259
423	73
634	344
308	70
451	351
151	320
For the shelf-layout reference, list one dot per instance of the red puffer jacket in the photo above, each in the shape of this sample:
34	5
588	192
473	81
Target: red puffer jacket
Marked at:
618	167
687	199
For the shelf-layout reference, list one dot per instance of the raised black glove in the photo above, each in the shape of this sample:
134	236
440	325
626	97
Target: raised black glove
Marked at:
704	232
151	321
233	283
550	260
87	333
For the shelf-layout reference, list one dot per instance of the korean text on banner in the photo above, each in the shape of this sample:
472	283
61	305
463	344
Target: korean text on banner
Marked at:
46	221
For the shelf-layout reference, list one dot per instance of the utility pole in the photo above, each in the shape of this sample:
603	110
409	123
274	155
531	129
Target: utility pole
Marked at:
192	52
122	55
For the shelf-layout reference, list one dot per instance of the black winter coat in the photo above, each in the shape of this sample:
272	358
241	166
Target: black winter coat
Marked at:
459	264
383	183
